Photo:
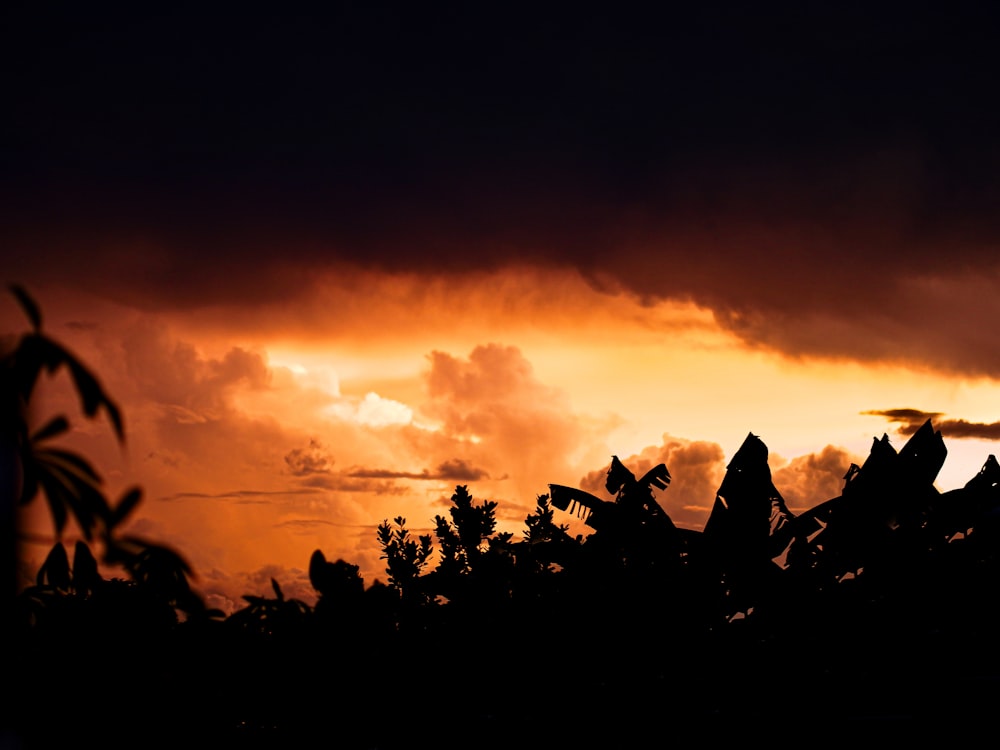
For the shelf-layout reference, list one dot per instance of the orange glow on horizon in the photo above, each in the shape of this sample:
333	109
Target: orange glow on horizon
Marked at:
262	433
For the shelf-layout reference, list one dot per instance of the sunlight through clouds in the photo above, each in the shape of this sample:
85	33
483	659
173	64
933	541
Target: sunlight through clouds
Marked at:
315	375
372	410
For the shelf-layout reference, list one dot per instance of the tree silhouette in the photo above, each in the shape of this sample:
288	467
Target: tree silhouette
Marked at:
406	559
874	608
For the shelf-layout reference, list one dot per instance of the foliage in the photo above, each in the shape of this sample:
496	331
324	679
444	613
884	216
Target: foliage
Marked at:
69	483
546	545
640	618
469	541
271	616
405	558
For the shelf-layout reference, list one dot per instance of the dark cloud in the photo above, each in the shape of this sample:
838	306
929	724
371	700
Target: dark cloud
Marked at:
167	459
823	177
311	460
910	420
239	495
909	416
79	325
345	482
960	428
453	469
305	524
459	470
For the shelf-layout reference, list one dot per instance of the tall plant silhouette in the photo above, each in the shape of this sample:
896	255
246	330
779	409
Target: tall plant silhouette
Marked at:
36	467
406	558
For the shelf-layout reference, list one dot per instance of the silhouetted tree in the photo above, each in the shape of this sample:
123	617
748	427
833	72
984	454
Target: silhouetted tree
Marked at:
877	603
746	530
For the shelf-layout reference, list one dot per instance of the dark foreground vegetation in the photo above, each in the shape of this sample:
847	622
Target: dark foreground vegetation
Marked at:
870	615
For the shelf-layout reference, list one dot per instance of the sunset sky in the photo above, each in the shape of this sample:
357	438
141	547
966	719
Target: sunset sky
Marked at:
332	266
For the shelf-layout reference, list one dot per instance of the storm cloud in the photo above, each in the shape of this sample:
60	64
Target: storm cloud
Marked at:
824	179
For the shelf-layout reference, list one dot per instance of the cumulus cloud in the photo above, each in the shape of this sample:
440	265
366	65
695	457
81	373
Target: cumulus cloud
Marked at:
696	469
496	420
236	462
808	480
372	410
188	386
499	373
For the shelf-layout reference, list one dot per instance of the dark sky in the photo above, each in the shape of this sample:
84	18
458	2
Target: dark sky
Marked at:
806	149
308	115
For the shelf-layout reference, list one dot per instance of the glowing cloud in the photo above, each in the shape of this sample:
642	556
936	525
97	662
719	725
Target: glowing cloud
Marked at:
372	410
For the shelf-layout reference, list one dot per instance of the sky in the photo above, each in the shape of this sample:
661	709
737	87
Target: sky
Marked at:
332	265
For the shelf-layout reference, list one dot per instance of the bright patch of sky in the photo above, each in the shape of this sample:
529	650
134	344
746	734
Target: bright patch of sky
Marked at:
372	410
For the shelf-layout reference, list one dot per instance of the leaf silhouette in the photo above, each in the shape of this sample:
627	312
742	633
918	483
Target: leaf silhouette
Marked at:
70	484
85	574
657	477
94	397
128	503
55	426
37	352
28	305
55	570
573	500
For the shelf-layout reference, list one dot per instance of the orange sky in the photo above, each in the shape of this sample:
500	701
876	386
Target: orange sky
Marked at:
333	265
257	443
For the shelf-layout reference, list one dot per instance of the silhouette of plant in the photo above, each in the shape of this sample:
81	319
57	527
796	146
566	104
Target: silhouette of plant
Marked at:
406	559
546	546
869	590
476	561
77	600
70	484
338	583
271	616
746	530
633	535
